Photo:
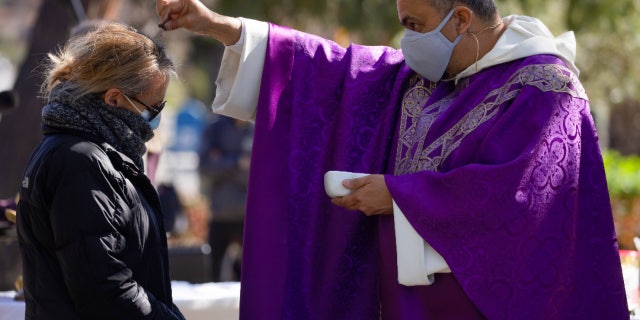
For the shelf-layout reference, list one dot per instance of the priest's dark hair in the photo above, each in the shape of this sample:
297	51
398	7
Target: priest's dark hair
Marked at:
486	10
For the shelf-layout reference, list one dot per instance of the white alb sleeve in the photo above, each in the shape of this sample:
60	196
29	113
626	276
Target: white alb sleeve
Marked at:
238	82
417	260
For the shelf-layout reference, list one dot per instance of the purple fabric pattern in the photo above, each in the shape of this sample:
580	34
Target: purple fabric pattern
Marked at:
501	174
512	193
321	107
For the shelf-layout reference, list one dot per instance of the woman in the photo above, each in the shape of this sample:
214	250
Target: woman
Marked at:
90	227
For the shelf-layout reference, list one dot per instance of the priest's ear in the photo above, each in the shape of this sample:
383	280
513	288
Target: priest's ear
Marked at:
462	15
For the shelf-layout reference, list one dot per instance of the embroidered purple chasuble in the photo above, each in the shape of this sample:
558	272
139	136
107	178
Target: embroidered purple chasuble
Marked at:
501	173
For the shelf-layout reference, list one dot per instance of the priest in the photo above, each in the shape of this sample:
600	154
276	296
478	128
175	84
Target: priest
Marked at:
486	196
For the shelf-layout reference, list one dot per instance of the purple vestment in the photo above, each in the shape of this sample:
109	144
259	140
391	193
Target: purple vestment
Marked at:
501	173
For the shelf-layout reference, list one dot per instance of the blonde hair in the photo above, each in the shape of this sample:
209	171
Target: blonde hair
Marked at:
110	55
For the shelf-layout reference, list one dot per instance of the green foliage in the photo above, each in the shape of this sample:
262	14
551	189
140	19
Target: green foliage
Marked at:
602	16
372	22
623	174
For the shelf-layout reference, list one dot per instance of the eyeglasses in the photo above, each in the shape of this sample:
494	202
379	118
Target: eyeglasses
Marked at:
154	111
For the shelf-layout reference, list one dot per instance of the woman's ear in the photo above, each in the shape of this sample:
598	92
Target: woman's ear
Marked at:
463	16
112	97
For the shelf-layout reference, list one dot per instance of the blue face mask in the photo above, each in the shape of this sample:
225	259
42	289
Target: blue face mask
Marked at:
429	53
153	123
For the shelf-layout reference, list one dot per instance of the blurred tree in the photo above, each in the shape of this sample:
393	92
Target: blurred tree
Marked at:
371	22
609	45
20	129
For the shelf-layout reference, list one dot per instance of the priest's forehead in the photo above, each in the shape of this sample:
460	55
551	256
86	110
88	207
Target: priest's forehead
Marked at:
419	14
443	6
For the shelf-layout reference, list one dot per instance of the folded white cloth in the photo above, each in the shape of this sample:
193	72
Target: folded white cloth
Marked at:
417	260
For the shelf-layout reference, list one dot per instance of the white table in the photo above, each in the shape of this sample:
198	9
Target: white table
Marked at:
219	300
9	308
196	301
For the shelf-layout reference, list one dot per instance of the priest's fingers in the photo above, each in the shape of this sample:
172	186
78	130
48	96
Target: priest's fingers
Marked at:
370	208
373	181
370	195
169	11
189	14
344	202
357	183
194	16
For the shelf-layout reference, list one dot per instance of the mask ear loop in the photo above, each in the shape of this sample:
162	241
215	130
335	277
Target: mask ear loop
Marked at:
477	49
474	34
142	113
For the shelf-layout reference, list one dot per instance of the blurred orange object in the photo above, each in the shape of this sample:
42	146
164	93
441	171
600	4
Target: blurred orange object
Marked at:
10	215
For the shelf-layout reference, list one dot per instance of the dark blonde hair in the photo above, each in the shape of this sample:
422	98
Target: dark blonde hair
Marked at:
110	55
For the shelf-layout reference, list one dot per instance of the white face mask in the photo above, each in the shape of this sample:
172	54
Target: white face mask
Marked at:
429	53
153	123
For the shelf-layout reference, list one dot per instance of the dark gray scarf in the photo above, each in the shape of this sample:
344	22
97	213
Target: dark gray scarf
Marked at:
126	131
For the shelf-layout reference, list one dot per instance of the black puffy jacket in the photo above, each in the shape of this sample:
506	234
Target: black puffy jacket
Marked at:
91	235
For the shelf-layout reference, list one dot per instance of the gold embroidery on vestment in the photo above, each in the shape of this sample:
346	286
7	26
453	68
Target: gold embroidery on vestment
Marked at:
416	119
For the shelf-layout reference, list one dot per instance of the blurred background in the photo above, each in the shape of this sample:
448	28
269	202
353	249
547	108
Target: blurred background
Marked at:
608	46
